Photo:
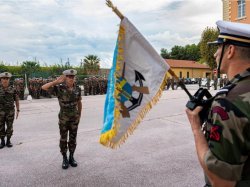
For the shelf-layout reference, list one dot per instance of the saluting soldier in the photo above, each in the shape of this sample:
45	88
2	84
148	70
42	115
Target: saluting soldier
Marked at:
69	97
8	100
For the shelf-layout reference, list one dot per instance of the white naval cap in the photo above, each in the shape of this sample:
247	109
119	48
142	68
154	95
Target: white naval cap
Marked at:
233	33
5	74
70	72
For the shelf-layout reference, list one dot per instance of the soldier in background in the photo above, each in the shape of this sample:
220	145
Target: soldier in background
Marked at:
8	100
208	82
70	101
86	86
168	83
172	83
22	88
199	81
215	82
225	81
221	82
106	85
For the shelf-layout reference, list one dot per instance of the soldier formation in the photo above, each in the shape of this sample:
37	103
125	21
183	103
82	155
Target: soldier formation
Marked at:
90	86
95	86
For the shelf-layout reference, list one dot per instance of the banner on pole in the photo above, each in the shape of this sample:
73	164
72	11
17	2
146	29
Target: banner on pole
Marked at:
136	81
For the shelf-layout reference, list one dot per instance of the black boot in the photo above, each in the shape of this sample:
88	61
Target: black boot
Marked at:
72	161
65	163
8	143
2	143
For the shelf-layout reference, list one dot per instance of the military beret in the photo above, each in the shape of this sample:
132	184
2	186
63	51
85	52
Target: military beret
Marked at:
70	72
233	33
5	74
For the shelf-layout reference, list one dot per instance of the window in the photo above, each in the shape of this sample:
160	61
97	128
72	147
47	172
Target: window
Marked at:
180	74
241	8
187	74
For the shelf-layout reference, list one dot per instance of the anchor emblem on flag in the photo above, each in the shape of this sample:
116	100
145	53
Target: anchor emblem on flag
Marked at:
126	93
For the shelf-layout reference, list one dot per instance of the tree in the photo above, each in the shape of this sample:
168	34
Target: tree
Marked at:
3	68
165	54
30	67
192	52
207	52
178	53
91	64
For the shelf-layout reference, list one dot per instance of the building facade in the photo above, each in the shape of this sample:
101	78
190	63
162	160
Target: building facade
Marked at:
236	10
189	69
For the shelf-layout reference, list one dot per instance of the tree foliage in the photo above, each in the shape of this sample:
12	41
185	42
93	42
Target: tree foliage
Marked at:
188	52
30	67
91	64
207	51
165	54
3	68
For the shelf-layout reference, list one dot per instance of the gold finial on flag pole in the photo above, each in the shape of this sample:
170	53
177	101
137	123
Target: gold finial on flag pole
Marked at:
118	13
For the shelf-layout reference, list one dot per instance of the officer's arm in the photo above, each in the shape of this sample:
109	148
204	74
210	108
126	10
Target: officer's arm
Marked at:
202	148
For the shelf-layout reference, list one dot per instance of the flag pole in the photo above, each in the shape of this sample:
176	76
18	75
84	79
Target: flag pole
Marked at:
120	15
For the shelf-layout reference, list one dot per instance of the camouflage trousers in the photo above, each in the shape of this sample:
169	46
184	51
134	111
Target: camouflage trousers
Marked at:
68	125
6	117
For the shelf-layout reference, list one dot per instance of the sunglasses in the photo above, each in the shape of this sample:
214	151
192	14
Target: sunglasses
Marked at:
70	76
6	78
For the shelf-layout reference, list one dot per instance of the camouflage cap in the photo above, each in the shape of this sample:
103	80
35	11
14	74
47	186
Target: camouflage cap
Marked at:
70	72
5	74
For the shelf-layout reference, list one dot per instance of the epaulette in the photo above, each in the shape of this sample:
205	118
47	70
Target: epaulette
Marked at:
226	89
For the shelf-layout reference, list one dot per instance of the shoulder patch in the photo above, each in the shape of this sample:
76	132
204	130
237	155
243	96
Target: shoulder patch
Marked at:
215	133
221	112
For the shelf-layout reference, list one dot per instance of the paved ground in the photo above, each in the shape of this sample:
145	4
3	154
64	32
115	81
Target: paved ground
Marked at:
159	153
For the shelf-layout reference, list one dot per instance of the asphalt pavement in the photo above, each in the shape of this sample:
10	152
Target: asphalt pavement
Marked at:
160	152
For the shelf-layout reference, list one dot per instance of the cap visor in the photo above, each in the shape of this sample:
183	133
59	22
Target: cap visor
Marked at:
213	43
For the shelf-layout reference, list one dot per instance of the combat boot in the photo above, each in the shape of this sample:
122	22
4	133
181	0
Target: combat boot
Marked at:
8	143
2	143
65	163
72	161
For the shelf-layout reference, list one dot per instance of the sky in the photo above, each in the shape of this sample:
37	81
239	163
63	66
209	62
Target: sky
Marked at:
55	31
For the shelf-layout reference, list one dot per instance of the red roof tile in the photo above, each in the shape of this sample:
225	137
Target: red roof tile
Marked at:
186	64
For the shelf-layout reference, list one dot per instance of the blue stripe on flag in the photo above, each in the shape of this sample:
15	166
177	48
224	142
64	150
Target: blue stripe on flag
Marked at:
109	106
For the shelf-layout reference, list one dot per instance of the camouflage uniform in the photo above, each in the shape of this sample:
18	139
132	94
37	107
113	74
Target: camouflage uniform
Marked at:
7	110
68	115
228	131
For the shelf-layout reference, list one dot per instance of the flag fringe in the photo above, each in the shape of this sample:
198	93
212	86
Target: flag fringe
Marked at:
107	136
110	134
